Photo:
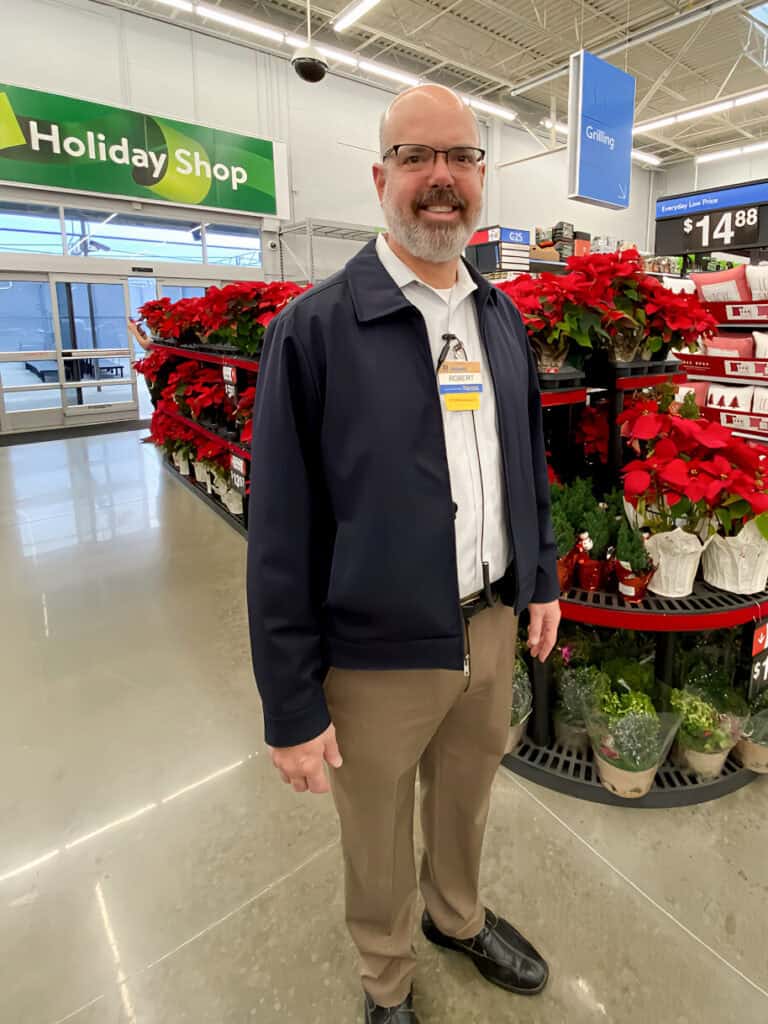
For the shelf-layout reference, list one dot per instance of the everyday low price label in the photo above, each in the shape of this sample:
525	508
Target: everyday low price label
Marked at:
237	471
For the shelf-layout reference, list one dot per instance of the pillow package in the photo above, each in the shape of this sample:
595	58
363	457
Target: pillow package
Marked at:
757	282
698	388
741	346
760	400
723	286
680	285
761	344
738	399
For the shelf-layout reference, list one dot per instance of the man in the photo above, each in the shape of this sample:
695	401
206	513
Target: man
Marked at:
399	516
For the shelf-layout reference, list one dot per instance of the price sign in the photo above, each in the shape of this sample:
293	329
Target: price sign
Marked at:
238	473
229	373
759	678
727	230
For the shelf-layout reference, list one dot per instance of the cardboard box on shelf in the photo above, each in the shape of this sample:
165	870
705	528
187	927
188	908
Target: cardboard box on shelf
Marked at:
550	254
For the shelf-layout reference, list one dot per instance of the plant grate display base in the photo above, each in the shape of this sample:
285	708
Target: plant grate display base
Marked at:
566	378
236	522
574	774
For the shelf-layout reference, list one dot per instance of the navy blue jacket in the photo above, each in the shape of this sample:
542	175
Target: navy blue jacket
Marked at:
351	551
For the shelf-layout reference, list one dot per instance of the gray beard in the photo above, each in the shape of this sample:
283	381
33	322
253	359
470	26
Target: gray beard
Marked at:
438	243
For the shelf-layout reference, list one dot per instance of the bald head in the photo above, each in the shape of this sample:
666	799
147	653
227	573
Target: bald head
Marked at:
410	112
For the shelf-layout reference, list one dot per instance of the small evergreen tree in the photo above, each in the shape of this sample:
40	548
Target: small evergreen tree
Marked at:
631	549
565	535
597	522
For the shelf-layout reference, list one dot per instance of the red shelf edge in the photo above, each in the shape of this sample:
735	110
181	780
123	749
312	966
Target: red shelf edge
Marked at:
234	448
209	357
660	622
572	396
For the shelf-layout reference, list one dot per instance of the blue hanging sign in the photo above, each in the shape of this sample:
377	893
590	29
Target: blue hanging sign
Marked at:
601	106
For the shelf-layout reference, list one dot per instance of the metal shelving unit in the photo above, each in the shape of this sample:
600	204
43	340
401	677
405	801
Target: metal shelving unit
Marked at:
312	229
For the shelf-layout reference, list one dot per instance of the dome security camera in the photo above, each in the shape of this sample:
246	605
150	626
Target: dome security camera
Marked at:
309	64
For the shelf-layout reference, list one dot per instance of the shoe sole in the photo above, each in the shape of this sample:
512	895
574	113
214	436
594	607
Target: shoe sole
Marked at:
479	965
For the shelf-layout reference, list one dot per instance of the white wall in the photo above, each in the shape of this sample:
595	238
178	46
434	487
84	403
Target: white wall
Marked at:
535	193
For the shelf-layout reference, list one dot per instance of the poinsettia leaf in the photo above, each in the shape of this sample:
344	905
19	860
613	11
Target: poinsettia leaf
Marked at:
739	509
761	522
725	518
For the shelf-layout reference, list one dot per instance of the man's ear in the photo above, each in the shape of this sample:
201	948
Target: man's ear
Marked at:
379	179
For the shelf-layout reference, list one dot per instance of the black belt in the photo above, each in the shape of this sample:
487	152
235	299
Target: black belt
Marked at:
470	606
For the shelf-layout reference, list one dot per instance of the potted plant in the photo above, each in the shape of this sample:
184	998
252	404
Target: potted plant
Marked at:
592	547
707	734
565	538
697	481
752	749
630	741
521	705
580	687
634	567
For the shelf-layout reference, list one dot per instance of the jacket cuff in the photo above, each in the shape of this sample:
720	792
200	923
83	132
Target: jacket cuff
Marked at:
547	588
300	728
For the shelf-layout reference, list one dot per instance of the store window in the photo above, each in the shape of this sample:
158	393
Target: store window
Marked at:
26	319
91	315
128	236
239	247
30	227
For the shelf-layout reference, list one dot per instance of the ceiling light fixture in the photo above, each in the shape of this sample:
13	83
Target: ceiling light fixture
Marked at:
752	97
384	72
352	13
245	24
646	158
180	5
652	126
723	154
492	108
339	55
713	108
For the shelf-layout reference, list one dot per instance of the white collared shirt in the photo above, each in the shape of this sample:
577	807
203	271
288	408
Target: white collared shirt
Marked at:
475	468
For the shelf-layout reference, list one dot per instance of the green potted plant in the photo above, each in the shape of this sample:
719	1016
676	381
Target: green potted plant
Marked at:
630	741
565	538
580	688
522	699
752	749
708	730
634	567
591	565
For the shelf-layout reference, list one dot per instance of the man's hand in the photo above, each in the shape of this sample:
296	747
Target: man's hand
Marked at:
542	631
302	766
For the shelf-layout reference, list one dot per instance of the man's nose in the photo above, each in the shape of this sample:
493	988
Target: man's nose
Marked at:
441	175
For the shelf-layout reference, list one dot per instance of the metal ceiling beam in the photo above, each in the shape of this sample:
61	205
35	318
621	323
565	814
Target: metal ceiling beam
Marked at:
670	68
635	39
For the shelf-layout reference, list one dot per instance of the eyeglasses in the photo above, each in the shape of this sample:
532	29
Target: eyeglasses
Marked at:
418	158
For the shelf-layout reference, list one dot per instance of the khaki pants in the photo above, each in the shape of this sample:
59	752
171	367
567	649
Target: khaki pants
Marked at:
454	731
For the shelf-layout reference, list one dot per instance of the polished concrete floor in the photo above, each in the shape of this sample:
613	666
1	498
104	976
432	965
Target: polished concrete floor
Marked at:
154	869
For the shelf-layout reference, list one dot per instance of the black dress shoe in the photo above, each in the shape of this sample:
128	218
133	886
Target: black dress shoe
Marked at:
402	1014
499	952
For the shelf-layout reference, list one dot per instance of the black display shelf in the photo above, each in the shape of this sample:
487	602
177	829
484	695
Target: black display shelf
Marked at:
574	774
566	378
236	522
233	446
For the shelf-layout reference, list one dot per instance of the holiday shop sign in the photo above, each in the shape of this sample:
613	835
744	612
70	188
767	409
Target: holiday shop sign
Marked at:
55	142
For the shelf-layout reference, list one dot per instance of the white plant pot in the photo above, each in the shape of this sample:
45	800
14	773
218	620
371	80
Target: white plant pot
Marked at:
753	756
677	555
201	473
629	785
220	485
181	462
233	500
737	564
706	766
516	734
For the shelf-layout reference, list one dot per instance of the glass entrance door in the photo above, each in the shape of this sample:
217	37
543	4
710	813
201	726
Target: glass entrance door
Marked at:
96	372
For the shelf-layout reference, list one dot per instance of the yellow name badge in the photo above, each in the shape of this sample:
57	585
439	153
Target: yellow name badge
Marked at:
461	385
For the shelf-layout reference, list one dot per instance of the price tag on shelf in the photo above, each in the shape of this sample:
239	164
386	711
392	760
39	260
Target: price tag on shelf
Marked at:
237	470
746	368
752	311
727	230
759	677
229	373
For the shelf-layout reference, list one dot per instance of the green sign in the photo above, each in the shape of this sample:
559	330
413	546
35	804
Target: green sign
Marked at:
62	143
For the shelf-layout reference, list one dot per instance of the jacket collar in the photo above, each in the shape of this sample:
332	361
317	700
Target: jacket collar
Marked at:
375	294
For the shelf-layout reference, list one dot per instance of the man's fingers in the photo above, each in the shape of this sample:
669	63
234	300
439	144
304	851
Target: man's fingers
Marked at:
332	754
299	784
318	783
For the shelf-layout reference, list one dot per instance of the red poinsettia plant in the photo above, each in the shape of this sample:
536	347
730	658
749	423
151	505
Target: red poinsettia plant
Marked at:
168	433
592	431
693	472
606	300
244	414
215	456
236	315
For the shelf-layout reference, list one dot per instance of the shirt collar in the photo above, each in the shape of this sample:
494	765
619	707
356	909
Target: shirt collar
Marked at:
403	275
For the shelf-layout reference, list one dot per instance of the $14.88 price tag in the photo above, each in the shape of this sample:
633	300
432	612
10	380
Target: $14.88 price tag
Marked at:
722	230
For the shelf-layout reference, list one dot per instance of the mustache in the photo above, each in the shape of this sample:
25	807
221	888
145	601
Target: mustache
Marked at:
439	197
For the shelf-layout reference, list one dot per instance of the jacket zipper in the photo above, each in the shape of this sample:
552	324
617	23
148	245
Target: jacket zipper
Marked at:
427	350
504	461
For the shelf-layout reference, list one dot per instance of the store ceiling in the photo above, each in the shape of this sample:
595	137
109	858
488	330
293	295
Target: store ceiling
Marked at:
490	48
